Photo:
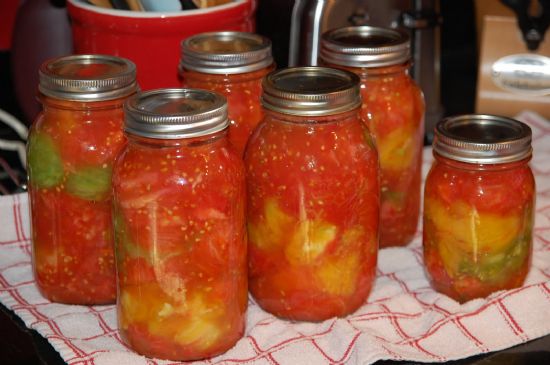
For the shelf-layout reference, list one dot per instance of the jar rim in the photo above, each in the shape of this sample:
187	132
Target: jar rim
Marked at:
226	52
175	113
89	77
311	91
365	46
482	139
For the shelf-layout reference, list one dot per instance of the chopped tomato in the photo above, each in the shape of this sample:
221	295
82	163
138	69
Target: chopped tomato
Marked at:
472	245
393	109
70	154
243	99
312	215
181	246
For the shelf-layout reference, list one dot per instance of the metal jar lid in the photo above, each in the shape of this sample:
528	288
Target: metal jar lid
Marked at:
365	46
482	139
175	113
225	53
87	77
311	91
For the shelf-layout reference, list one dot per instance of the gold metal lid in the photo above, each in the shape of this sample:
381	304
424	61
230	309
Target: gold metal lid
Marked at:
87	77
482	139
175	113
311	91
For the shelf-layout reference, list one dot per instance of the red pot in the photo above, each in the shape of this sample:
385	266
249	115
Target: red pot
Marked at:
152	39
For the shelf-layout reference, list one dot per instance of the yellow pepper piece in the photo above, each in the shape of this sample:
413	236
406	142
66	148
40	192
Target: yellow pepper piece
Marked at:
339	276
196	321
473	232
204	327
270	233
396	150
309	241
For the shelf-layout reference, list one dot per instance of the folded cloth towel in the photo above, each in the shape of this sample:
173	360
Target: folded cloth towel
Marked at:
404	319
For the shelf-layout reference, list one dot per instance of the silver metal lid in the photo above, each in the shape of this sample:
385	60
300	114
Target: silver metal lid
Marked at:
482	139
175	113
87	77
311	91
365	46
225	53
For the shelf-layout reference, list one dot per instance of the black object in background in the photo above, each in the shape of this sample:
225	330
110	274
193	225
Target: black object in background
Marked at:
458	47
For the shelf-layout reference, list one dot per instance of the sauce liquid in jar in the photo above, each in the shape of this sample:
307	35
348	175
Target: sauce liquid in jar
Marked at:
313	197
479	206
233	64
179	196
393	108
71	149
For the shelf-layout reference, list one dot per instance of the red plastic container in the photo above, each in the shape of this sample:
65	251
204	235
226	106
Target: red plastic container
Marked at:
152	39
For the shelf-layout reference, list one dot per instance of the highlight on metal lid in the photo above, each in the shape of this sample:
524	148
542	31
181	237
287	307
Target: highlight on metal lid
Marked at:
311	91
87	77
175	113
365	46
482	139
225	52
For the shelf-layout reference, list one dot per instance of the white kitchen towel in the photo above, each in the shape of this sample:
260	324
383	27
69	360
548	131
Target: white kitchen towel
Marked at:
403	319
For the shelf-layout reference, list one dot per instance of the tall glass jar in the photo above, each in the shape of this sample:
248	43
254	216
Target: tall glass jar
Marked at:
313	196
478	206
232	64
393	108
179	196
71	149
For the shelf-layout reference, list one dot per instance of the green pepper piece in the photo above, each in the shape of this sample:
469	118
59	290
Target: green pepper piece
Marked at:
495	267
123	242
44	161
90	183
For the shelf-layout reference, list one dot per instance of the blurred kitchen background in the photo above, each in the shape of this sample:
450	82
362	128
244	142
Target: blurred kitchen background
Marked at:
447	40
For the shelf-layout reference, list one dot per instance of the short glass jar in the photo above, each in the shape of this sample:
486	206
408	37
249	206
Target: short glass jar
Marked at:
313	196
478	206
179	196
393	108
233	64
71	150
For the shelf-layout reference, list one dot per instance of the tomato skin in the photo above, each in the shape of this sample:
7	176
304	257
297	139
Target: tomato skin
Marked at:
181	246
393	109
478	224
73	252
243	98
312	213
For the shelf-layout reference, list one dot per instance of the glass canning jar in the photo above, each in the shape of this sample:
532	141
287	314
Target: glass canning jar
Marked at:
393	108
179	196
233	64
478	206
71	149
313	196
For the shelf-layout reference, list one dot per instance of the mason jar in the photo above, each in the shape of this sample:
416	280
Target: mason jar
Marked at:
71	149
479	203
312	197
232	64
179	197
393	108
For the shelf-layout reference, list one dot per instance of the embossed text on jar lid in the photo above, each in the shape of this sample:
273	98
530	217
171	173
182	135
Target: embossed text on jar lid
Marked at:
311	91
175	113
225	52
482	139
365	46
87	77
